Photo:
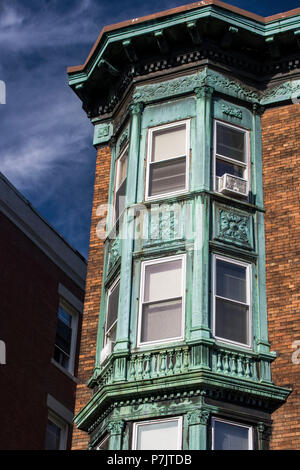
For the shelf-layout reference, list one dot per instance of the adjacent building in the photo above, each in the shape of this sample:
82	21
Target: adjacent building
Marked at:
41	304
192	296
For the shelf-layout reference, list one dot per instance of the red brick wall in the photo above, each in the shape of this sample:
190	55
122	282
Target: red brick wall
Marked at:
281	172
28	316
92	295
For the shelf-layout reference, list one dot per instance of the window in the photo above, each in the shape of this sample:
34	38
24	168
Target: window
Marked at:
231	436
231	152
167	162
120	186
104	444
56	433
66	332
163	434
232	311
162	300
112	313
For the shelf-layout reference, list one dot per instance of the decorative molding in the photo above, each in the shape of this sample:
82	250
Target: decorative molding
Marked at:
233	226
103	133
198	416
285	91
116	427
157	91
204	92
207	81
136	108
233	112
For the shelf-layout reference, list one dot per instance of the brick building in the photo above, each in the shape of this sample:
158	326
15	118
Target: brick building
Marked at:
42	292
192	306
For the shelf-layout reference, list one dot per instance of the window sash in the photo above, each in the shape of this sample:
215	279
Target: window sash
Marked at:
66	357
217	420
114	286
120	185
217	156
138	426
247	304
162	300
150	163
55	420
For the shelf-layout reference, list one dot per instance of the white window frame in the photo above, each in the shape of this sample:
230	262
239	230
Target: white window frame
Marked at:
250	431
139	424
246	165
117	176
151	131
111	288
64	427
74	326
248	296
142	289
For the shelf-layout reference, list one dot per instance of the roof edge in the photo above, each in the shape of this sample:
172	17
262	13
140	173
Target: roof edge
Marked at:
182	9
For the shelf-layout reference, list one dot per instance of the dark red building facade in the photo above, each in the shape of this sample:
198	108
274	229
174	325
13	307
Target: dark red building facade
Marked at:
42	292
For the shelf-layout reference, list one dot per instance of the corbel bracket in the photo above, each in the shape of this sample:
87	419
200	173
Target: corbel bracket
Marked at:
194	32
228	37
110	68
129	50
162	42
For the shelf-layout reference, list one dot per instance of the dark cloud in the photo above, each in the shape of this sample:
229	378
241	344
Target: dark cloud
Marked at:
46	140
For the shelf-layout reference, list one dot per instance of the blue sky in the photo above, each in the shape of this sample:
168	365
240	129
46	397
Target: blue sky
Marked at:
46	140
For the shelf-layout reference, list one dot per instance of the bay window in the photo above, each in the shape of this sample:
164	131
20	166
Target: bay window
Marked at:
227	435
232	309
162	300
160	434
167	161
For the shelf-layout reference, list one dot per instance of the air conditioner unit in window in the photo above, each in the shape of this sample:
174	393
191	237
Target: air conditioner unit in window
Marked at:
229	184
106	351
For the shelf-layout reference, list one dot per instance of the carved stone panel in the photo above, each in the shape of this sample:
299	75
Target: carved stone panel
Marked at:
233	226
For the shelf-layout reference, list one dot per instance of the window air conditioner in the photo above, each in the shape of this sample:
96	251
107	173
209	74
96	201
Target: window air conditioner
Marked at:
229	184
106	351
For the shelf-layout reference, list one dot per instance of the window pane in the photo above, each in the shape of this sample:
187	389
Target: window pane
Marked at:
169	143
53	434
231	281
231	143
158	436
60	357
111	335
232	321
167	177
230	437
122	168
223	167
64	316
63	336
163	280
161	321
112	307
120	200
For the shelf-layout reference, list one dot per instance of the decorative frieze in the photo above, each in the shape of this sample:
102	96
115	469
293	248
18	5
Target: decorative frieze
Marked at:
233	112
